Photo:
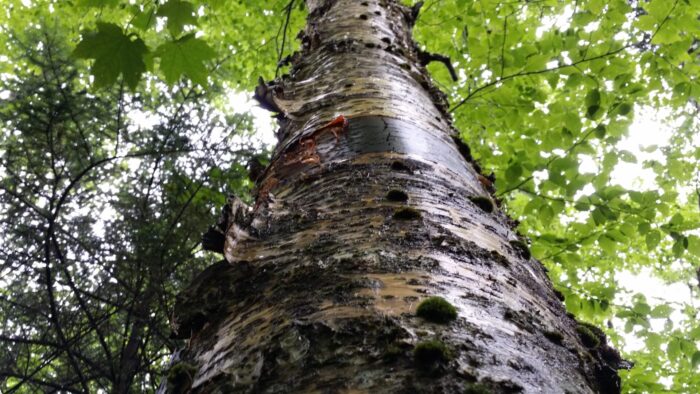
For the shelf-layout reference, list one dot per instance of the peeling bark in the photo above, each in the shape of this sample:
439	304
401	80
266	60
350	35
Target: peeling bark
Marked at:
353	228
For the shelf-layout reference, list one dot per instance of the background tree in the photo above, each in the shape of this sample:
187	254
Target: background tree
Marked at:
526	69
101	219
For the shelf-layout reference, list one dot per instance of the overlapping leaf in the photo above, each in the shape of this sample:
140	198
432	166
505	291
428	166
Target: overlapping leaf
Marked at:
185	56
115	53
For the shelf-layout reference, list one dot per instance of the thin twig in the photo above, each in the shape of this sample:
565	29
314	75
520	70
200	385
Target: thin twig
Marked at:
284	27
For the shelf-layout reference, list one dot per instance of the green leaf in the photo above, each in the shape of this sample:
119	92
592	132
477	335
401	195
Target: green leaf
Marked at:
642	308
536	62
695	360
609	213
661	311
573	303
668	33
688	347
115	53
179	14
593	112
583	18
676	219
678	247
607	244
573	80
600	131
673	349
593	98
616	235
659	9
573	259
645	22
623	109
185	56
582	206
652	239
572	122
694	244
654	341
628	229
598	216
627	156
513	172
682	89
546	214
596	6
143	20
98	3
643	227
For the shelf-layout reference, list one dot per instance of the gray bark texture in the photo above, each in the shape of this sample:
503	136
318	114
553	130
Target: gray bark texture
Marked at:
368	209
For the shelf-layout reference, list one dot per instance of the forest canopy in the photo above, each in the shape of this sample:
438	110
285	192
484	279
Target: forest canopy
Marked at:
125	128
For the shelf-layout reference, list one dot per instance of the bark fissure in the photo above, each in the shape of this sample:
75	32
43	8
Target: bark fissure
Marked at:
352	230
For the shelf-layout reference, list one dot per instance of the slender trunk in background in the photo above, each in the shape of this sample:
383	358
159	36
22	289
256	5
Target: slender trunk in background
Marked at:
355	225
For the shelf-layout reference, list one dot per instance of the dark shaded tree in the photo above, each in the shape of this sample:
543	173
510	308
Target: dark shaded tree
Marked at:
101	219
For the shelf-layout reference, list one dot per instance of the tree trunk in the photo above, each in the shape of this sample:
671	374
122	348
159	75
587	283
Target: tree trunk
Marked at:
355	225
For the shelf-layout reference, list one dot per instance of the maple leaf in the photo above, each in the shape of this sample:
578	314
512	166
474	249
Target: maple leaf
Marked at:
114	53
179	14
186	55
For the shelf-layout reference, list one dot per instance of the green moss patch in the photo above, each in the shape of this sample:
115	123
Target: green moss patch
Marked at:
392	353
437	310
407	214
485	203
591	336
554	336
588	339
429	353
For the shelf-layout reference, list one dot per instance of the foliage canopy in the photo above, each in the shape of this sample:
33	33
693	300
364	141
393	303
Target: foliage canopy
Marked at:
115	106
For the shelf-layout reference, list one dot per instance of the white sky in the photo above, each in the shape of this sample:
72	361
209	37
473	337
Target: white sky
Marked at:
265	125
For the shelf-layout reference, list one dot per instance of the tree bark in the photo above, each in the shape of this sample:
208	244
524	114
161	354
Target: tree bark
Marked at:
355	225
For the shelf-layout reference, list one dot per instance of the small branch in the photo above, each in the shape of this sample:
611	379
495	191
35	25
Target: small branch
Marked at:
53	306
503	45
426	57
284	27
94	325
521	74
526	73
264	96
415	11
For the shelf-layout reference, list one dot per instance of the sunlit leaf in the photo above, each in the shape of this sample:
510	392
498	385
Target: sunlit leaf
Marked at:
185	56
